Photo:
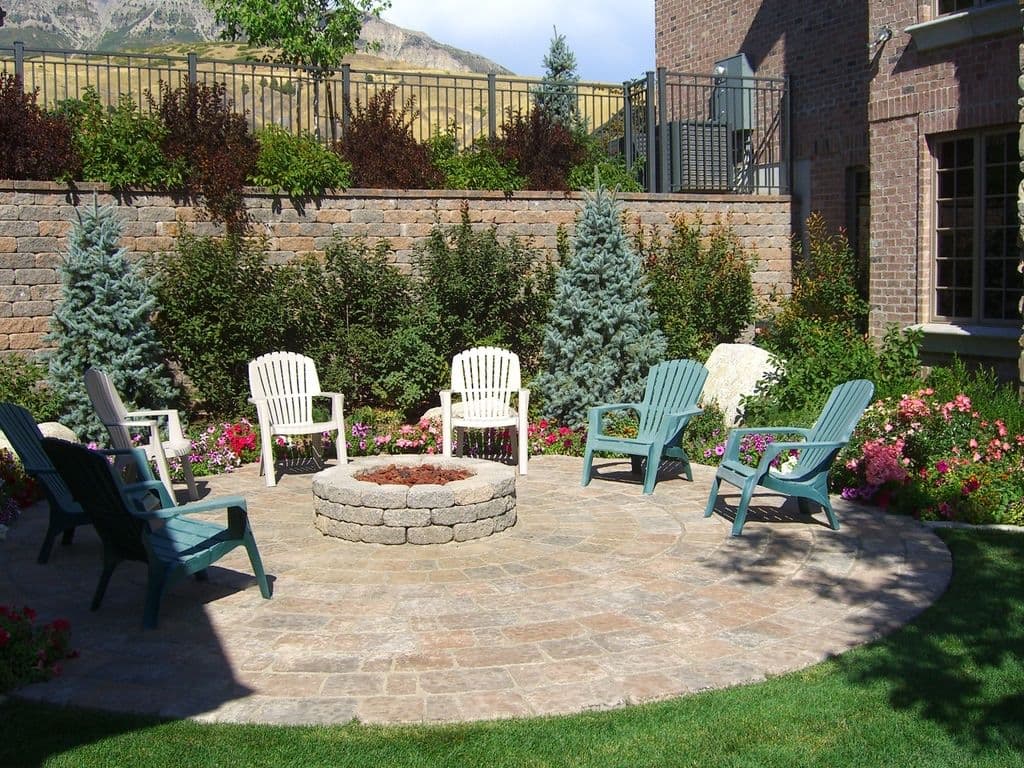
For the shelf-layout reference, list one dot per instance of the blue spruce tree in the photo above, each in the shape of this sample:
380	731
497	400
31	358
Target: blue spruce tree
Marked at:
556	94
103	321
602	334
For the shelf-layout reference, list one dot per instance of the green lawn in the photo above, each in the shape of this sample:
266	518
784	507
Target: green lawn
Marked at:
947	690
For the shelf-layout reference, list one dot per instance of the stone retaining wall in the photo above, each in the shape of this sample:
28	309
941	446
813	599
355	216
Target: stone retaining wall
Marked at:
35	218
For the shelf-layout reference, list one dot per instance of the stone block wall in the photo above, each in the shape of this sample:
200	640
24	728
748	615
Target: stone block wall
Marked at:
35	218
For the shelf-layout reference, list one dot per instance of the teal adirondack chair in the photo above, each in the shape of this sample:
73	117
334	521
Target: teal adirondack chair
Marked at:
26	439
670	401
808	479
172	543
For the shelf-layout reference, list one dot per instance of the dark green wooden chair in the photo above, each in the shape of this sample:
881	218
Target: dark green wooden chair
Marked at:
670	401
26	439
172	543
808	479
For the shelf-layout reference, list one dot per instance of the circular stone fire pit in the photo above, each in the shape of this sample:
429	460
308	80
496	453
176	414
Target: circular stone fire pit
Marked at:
349	508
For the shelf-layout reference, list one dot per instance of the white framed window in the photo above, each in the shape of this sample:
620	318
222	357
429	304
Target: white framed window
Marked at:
976	228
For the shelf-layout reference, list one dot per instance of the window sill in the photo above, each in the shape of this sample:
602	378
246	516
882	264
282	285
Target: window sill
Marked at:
953	28
971	340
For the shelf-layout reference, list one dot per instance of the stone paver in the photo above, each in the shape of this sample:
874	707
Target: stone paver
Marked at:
597	597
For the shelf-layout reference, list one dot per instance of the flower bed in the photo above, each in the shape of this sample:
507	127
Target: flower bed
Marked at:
936	459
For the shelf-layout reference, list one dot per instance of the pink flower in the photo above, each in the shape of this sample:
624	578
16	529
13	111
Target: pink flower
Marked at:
942	466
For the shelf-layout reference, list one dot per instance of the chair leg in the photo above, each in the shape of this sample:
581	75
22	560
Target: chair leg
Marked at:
267	456
249	542
101	587
653	465
832	519
190	481
588	461
154	593
712	497
636	464
44	551
741	510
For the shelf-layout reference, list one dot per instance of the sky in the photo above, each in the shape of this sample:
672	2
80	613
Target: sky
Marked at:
613	40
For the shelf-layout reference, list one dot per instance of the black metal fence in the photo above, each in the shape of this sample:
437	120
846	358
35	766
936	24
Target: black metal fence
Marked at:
678	132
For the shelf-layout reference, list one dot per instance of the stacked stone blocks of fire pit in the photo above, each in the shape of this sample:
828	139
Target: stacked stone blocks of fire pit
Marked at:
346	507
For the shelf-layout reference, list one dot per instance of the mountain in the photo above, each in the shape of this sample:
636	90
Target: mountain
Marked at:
112	25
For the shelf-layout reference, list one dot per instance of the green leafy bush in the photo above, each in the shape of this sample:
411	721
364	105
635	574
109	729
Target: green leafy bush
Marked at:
541	149
702	288
355	314
298	165
476	167
218	309
214	143
992	398
33	143
380	145
121	146
479	290
23	381
610	169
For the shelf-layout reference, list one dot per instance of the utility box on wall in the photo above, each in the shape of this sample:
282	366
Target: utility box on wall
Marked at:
732	101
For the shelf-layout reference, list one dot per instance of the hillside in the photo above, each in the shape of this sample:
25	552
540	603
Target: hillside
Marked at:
115	25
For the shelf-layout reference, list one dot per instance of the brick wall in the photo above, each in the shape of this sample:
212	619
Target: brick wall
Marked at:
852	108
35	218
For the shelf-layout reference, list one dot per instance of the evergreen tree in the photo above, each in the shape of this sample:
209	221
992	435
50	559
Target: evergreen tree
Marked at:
556	94
103	321
602	334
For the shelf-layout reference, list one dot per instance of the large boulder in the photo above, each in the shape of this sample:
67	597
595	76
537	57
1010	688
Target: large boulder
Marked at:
49	429
734	371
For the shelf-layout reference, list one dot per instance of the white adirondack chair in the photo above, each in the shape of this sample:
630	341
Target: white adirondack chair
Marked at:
485	378
283	385
119	422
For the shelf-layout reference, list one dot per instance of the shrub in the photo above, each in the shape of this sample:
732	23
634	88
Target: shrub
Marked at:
219	448
476	167
356	316
103	321
23	381
298	165
122	146
541	149
33	143
935	458
30	653
213	142
219	309
601	337
17	489
480	291
992	398
380	145
595	160
701	288
824	287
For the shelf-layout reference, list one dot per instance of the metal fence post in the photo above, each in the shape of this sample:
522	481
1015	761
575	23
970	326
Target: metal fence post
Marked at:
492	101
651	160
627	125
346	96
193	68
787	137
663	148
19	62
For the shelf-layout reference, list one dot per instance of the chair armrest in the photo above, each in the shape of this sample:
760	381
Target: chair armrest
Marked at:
732	442
594	414
135	492
173	419
774	449
195	507
677	420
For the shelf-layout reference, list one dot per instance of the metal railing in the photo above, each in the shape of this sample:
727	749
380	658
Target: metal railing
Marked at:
679	132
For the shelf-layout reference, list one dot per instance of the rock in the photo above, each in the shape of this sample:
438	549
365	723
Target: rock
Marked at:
733	371
49	429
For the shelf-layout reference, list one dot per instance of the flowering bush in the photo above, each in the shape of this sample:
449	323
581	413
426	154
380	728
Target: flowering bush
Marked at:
546	437
31	653
218	448
17	490
935	458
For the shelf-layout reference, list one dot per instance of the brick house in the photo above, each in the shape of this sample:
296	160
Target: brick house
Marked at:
905	132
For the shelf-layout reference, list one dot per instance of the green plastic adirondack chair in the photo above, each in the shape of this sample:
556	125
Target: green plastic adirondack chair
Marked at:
26	439
808	479
670	401
174	546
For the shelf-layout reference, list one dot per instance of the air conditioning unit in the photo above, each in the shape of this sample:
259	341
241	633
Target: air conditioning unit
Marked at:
701	157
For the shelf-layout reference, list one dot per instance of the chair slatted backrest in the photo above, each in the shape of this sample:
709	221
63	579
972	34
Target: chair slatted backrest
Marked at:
672	386
835	424
485	377
92	483
108	406
289	381
26	439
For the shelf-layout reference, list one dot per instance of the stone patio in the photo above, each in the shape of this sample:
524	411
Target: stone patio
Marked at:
598	597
